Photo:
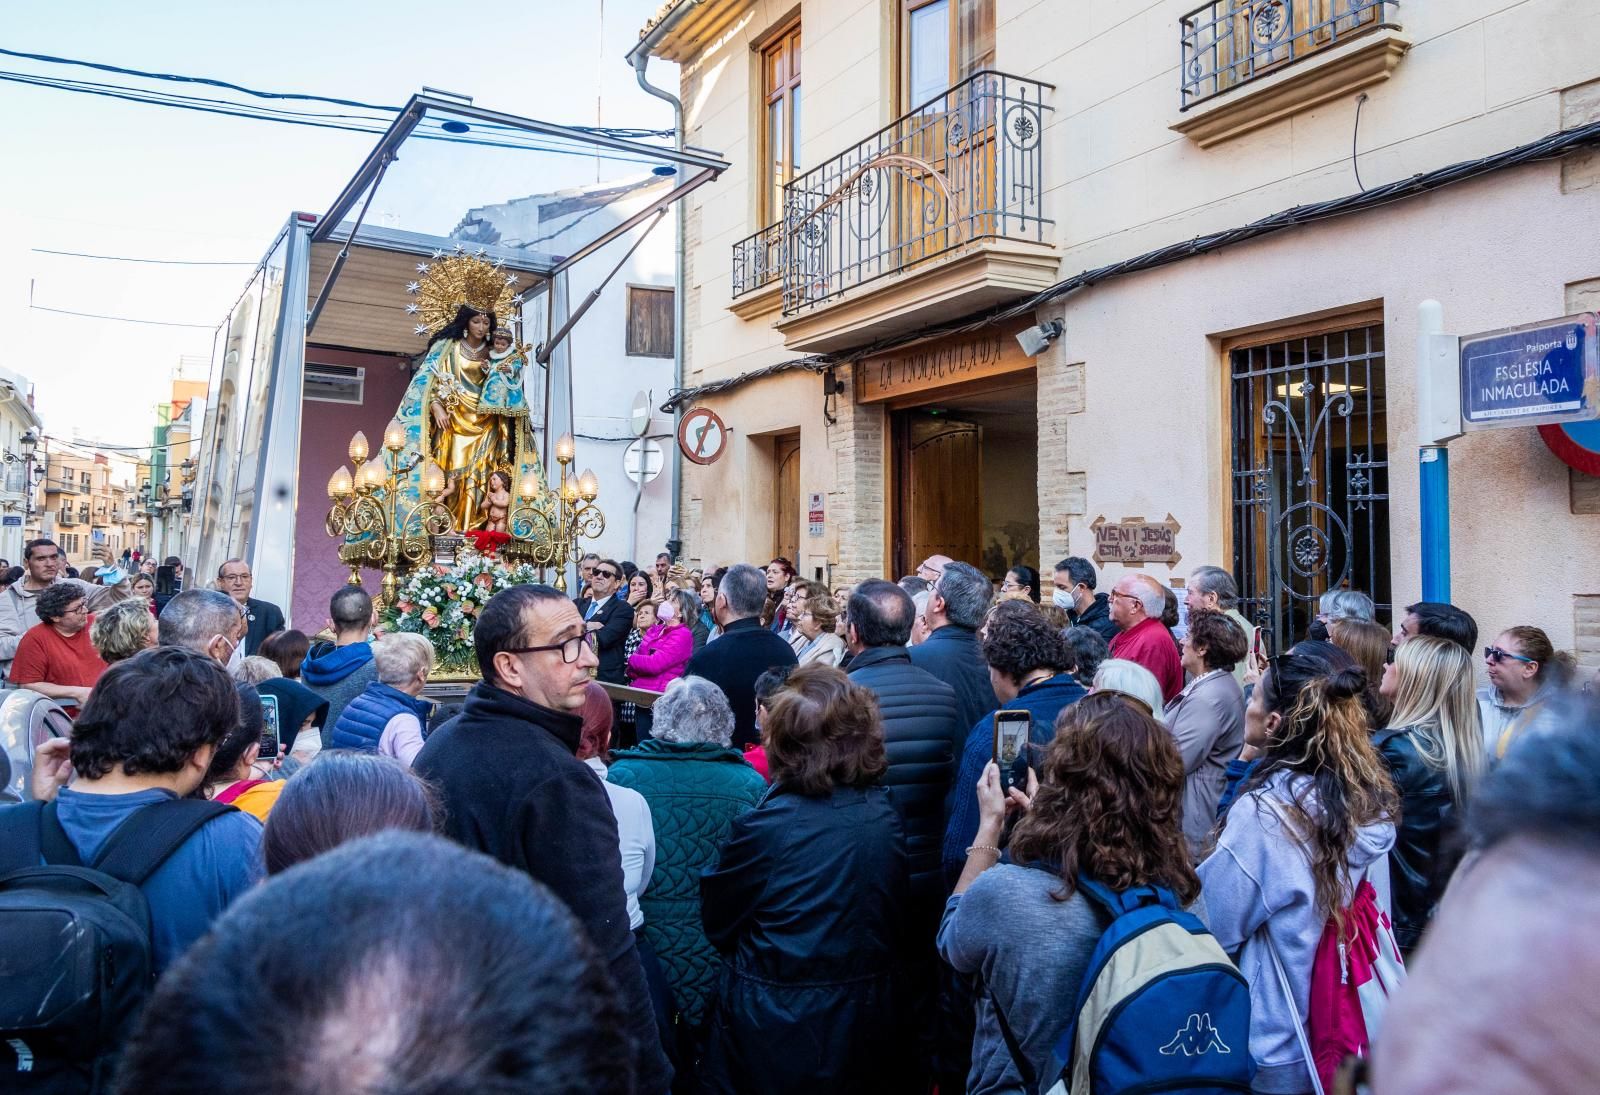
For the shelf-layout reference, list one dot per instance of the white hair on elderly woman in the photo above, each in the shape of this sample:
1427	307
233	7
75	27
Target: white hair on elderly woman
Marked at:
693	710
401	656
1132	680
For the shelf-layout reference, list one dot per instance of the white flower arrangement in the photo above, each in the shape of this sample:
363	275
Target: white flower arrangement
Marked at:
442	603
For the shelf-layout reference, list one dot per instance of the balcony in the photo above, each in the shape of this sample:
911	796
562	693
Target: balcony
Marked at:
67	519
1246	63
63	485
940	211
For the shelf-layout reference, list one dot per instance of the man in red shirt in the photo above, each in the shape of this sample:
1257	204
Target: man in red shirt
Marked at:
1136	604
55	657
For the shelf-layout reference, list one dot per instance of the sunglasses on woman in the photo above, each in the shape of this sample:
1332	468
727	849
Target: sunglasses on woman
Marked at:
1493	654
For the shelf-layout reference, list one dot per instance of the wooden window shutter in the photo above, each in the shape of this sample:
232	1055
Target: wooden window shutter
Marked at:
649	322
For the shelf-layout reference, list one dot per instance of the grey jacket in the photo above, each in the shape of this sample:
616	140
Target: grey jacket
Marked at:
1258	886
1207	722
1504	722
18	612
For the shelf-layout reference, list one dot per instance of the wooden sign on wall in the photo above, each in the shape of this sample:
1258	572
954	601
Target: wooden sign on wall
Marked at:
941	363
1133	541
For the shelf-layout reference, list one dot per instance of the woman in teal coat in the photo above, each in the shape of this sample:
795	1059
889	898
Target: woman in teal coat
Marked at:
696	784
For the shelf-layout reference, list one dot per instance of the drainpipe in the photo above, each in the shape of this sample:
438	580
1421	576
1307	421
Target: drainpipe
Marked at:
639	57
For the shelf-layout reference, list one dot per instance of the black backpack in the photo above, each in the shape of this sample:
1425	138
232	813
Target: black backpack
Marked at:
76	961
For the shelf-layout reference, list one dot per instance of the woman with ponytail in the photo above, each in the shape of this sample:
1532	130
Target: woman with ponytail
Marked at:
1434	749
1317	812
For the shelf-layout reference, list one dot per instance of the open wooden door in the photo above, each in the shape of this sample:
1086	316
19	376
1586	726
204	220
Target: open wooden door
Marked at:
939	496
786	502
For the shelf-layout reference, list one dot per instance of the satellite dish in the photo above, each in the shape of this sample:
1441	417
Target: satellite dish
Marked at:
639	418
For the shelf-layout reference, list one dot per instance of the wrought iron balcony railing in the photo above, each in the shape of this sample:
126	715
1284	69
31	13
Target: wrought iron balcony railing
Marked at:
962	167
1231	42
758	260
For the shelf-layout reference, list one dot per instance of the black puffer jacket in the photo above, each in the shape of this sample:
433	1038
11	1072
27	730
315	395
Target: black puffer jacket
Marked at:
1426	849
805	906
922	734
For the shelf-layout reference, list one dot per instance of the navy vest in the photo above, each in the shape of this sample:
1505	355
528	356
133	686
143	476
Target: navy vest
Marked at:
361	724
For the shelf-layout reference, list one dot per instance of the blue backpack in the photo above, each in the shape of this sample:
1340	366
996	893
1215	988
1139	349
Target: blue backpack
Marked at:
1161	1008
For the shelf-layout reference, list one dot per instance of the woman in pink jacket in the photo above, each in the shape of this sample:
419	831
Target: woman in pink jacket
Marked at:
665	650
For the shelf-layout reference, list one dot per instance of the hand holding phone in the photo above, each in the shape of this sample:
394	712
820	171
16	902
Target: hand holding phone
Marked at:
1012	732
271	731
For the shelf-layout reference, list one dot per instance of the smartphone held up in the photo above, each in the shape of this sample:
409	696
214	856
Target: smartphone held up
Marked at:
1012	733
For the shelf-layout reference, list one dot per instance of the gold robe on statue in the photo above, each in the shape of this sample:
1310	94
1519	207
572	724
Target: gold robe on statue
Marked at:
472	444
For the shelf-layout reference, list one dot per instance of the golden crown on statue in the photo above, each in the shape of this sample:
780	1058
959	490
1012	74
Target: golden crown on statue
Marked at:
448	280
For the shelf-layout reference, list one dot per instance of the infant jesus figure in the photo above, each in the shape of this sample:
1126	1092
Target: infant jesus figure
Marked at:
498	499
502	382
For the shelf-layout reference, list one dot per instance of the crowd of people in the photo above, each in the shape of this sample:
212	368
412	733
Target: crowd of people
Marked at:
734	831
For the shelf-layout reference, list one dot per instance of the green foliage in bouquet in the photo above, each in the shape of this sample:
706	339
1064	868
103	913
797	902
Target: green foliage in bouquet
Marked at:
442	604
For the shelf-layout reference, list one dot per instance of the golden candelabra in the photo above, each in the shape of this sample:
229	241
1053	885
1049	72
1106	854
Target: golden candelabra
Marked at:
367	513
551	523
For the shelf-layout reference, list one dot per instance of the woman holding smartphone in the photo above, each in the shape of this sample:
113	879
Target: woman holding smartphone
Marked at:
1108	803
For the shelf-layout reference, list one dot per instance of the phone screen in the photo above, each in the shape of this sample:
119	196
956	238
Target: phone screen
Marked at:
166	580
271	731
1011	732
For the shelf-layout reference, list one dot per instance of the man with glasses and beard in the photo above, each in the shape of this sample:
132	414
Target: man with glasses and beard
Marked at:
513	788
608	619
44	566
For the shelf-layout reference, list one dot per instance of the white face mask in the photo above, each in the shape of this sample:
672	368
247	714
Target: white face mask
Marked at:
235	657
1062	598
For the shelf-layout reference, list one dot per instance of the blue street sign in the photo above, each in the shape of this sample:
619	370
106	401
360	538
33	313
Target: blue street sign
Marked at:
13	522
1533	375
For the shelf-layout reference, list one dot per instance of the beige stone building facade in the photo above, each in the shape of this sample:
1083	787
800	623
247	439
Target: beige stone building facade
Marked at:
90	503
918	181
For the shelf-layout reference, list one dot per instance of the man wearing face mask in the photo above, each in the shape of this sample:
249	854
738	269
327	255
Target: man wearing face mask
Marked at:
206	622
1074	592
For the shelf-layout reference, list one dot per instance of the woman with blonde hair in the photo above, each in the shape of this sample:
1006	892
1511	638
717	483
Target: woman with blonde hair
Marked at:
123	630
1434	749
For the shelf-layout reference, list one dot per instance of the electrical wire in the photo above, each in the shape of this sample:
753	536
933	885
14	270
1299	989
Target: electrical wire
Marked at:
1355	136
509	138
622	133
1546	148
122	319
127	258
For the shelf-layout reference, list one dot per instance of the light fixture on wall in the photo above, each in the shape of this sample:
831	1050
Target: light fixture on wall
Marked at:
1035	339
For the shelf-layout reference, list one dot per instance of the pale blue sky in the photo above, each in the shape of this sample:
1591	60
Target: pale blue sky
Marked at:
84	173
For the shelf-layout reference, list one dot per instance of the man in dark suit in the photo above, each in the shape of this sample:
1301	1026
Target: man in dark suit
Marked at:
745	650
262	618
607	619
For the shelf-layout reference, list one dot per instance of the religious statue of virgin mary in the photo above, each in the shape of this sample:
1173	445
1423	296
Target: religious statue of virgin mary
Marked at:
447	421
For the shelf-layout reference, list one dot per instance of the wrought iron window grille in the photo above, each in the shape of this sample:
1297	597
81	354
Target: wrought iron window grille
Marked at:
1310	476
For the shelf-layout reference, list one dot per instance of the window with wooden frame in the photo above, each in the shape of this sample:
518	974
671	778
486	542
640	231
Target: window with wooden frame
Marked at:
649	322
942	42
780	129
